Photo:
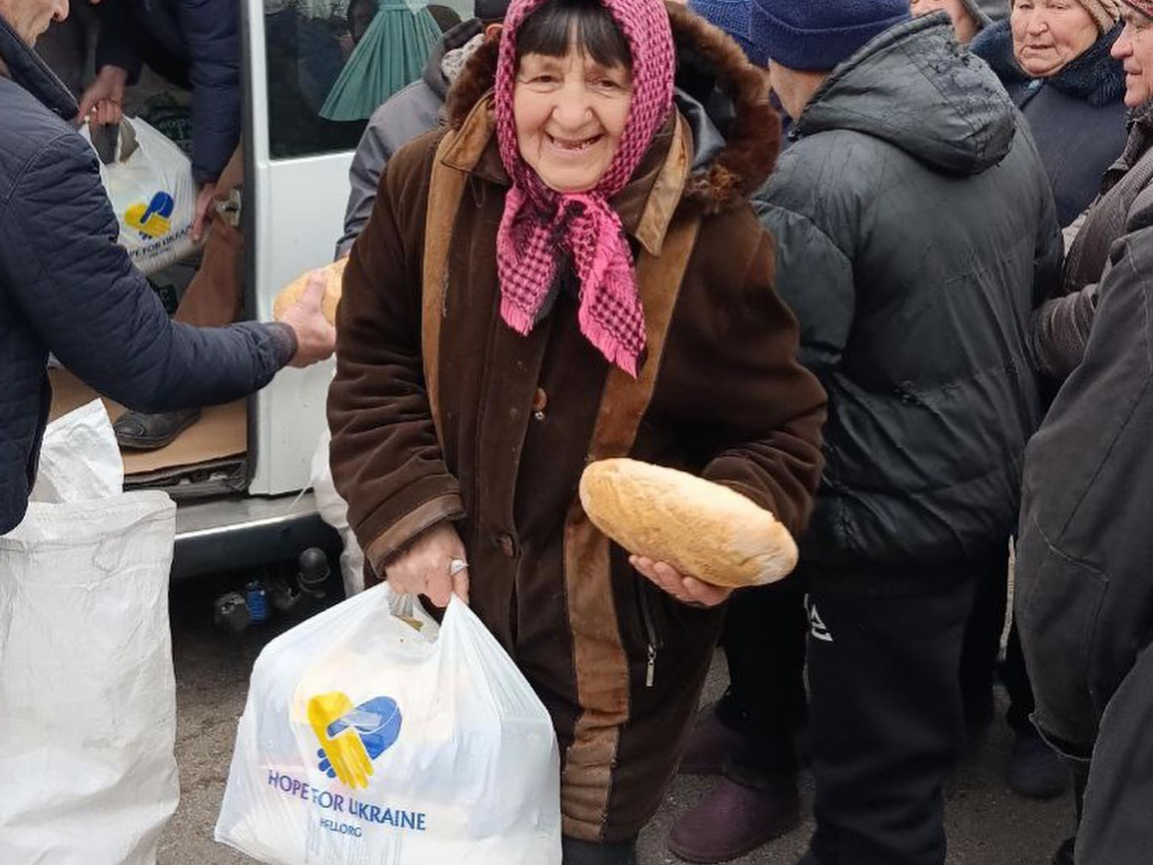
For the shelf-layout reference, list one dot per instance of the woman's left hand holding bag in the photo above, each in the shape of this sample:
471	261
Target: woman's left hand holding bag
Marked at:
687	590
433	565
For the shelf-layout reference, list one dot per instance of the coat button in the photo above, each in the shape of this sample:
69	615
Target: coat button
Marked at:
506	544
539	403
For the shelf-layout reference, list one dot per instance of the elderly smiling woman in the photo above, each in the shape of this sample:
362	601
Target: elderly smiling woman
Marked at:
1053	58
570	273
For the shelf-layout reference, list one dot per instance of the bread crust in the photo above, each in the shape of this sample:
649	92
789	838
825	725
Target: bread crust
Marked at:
334	275
703	529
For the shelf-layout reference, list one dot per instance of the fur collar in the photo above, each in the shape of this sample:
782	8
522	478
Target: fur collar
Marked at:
1094	76
753	136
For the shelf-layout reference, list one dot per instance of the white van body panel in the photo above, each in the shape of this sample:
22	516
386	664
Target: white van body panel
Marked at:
299	215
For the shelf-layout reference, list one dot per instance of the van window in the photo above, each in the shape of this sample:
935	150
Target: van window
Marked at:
331	63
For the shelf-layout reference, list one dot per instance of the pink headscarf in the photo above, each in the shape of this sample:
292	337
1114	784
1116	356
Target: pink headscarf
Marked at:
539	223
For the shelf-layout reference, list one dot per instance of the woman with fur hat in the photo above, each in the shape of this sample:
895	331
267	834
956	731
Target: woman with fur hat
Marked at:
570	272
1053	58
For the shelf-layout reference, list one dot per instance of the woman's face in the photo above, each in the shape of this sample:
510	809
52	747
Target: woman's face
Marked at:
570	113
1048	34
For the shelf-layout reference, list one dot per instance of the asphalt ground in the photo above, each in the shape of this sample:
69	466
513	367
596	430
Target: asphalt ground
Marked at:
987	824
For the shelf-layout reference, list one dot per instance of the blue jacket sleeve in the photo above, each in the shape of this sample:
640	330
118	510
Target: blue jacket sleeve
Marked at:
212	31
78	290
117	44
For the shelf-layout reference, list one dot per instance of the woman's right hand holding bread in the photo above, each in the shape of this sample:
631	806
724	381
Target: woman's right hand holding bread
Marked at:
427	565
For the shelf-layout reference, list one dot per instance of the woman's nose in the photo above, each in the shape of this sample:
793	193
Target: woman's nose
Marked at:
572	106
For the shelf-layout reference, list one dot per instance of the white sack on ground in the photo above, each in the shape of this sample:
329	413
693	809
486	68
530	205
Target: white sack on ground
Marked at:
87	692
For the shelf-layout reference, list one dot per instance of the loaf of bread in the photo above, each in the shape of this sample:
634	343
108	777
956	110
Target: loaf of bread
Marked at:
333	274
702	529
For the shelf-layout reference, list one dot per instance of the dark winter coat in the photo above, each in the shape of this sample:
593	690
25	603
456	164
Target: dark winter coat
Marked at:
1062	325
422	349
916	233
1077	116
66	286
195	43
1084	597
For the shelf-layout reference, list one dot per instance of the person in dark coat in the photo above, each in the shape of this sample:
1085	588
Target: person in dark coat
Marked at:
1054	60
67	287
1061	327
195	45
915	318
1084	600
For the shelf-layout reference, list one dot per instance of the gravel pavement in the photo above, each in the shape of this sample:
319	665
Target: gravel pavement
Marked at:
987	825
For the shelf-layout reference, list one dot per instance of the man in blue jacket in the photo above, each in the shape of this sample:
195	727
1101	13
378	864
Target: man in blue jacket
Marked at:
66	286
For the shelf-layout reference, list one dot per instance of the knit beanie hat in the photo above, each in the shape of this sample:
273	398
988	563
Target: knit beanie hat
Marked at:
540	226
816	35
1106	13
1145	7
732	16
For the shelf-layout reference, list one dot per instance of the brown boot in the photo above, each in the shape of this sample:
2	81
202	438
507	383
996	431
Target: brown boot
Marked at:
734	819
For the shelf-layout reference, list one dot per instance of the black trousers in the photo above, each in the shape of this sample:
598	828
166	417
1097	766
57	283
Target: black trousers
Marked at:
983	644
885	715
764	642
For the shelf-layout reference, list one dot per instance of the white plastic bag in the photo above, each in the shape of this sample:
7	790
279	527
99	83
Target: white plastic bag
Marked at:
151	188
87	691
366	740
334	511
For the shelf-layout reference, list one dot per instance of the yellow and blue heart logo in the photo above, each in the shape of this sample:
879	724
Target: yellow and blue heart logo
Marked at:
152	219
352	737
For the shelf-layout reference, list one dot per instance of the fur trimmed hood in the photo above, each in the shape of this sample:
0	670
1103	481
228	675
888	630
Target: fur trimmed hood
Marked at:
705	54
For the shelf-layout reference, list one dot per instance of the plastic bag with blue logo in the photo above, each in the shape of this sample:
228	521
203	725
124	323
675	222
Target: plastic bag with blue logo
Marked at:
371	735
149	181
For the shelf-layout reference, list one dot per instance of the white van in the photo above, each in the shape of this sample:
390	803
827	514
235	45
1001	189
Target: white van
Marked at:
238	475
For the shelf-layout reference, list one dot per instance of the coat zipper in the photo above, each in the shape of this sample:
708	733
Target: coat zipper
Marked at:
651	633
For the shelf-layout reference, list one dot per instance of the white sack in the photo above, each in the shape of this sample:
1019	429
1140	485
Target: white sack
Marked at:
87	692
447	755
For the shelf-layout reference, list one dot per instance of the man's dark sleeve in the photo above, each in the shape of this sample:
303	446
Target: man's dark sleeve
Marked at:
78	290
212	30
117	44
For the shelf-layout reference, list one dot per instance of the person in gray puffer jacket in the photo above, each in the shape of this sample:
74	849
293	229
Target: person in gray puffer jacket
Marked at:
412	111
916	232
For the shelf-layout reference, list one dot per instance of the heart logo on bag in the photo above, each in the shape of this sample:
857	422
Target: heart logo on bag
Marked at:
352	737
